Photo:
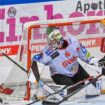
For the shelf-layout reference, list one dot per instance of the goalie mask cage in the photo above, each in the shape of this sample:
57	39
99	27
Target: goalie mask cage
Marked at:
34	38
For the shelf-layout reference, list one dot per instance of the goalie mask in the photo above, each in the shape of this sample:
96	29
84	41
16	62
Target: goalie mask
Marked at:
55	39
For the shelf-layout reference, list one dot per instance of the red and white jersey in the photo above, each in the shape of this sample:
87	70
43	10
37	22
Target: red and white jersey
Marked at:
64	61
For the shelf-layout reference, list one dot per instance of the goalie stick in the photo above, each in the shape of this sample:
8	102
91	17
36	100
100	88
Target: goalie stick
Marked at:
71	94
48	95
65	87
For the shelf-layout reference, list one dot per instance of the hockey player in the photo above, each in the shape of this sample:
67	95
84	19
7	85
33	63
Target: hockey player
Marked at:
61	55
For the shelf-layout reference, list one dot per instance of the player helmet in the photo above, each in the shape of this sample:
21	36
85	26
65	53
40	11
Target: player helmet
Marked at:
55	39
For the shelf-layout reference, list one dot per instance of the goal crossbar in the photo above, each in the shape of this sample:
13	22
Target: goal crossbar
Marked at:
62	22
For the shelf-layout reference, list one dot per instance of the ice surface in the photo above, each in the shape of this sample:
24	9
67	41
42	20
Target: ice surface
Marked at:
99	100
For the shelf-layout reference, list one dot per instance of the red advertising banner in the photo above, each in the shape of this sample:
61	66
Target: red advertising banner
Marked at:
36	47
9	50
91	42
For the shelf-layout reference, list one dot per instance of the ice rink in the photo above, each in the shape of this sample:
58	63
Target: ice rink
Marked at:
98	100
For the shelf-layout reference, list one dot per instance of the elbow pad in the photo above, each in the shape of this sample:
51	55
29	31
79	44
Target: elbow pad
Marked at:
37	57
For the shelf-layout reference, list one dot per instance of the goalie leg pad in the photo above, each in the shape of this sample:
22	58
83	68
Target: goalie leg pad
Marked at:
41	93
92	91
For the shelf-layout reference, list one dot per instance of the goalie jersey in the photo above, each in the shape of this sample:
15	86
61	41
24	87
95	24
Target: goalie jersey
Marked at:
64	61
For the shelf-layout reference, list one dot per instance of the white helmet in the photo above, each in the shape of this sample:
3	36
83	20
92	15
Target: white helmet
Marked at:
55	38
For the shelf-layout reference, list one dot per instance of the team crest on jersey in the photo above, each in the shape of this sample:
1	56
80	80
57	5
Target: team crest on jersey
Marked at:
65	63
67	54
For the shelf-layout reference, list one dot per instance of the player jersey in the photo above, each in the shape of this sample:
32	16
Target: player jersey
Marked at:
64	61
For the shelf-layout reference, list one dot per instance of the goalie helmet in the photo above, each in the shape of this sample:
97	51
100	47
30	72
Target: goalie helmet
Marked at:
55	39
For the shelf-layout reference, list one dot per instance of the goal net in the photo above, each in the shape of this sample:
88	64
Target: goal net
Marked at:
89	31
